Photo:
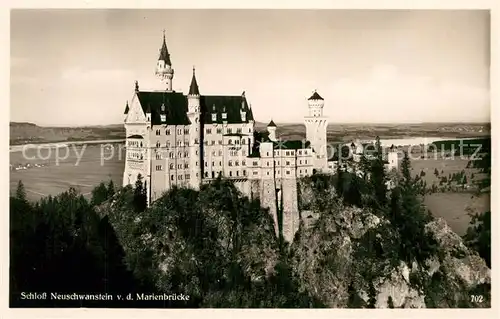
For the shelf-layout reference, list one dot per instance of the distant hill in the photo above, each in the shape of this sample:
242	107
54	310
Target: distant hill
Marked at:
23	132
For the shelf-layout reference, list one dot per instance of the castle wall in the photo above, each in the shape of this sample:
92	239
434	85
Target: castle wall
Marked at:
290	208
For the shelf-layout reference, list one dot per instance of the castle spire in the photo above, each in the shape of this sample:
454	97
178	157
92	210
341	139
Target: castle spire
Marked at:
193	89
164	55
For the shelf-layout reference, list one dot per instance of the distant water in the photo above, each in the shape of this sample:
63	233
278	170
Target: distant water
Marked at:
19	148
415	140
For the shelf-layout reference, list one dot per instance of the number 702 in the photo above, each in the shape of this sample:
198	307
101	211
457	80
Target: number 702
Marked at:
476	298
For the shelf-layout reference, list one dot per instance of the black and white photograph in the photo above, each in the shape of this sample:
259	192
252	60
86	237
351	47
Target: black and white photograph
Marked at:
250	158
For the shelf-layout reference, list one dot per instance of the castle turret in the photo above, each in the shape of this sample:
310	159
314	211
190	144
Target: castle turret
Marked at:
194	95
271	129
195	132
316	125
393	158
164	68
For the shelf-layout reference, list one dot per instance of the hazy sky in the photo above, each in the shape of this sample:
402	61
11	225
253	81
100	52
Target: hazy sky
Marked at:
78	67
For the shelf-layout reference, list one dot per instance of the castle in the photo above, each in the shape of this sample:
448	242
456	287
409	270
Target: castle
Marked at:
186	140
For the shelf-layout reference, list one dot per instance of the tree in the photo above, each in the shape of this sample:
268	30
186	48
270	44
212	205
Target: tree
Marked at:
140	195
478	235
378	177
111	189
99	194
21	191
436	172
340	180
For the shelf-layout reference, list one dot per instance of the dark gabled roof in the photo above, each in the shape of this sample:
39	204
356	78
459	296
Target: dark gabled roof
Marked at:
193	88
176	107
271	124
136	136
126	109
291	145
315	96
231	104
164	55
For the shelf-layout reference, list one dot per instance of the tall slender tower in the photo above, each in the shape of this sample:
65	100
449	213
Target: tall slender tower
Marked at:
164	66
316	125
195	132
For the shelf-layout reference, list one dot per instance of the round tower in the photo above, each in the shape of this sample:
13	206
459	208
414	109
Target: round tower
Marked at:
164	68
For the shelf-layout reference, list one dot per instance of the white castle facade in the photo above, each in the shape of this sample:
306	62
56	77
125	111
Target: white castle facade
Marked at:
186	140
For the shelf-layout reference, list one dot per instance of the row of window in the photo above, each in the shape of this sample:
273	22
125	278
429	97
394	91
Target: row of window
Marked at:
180	131
185	131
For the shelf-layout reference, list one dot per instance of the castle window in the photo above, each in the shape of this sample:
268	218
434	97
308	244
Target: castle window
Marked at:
180	177
237	163
196	163
237	173
238	130
214	117
305	152
243	163
179	166
206	174
306	162
186	143
179	131
171	177
300	162
187	176
171	155
230	173
267	173
237	142
157	132
219	131
244	173
229	130
287	172
195	141
186	165
179	155
249	130
220	142
197	174
167	144
224	116
186	131
167	132
214	153
267	153
287	163
267	164
186	154
212	143
230	163
230	142
287	153
213	163
206	164
157	144
255	163
209	131
171	166
220	152
300	171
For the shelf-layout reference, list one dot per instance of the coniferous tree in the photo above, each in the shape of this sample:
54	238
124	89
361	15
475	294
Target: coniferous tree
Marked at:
21	191
378	177
99	194
111	188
